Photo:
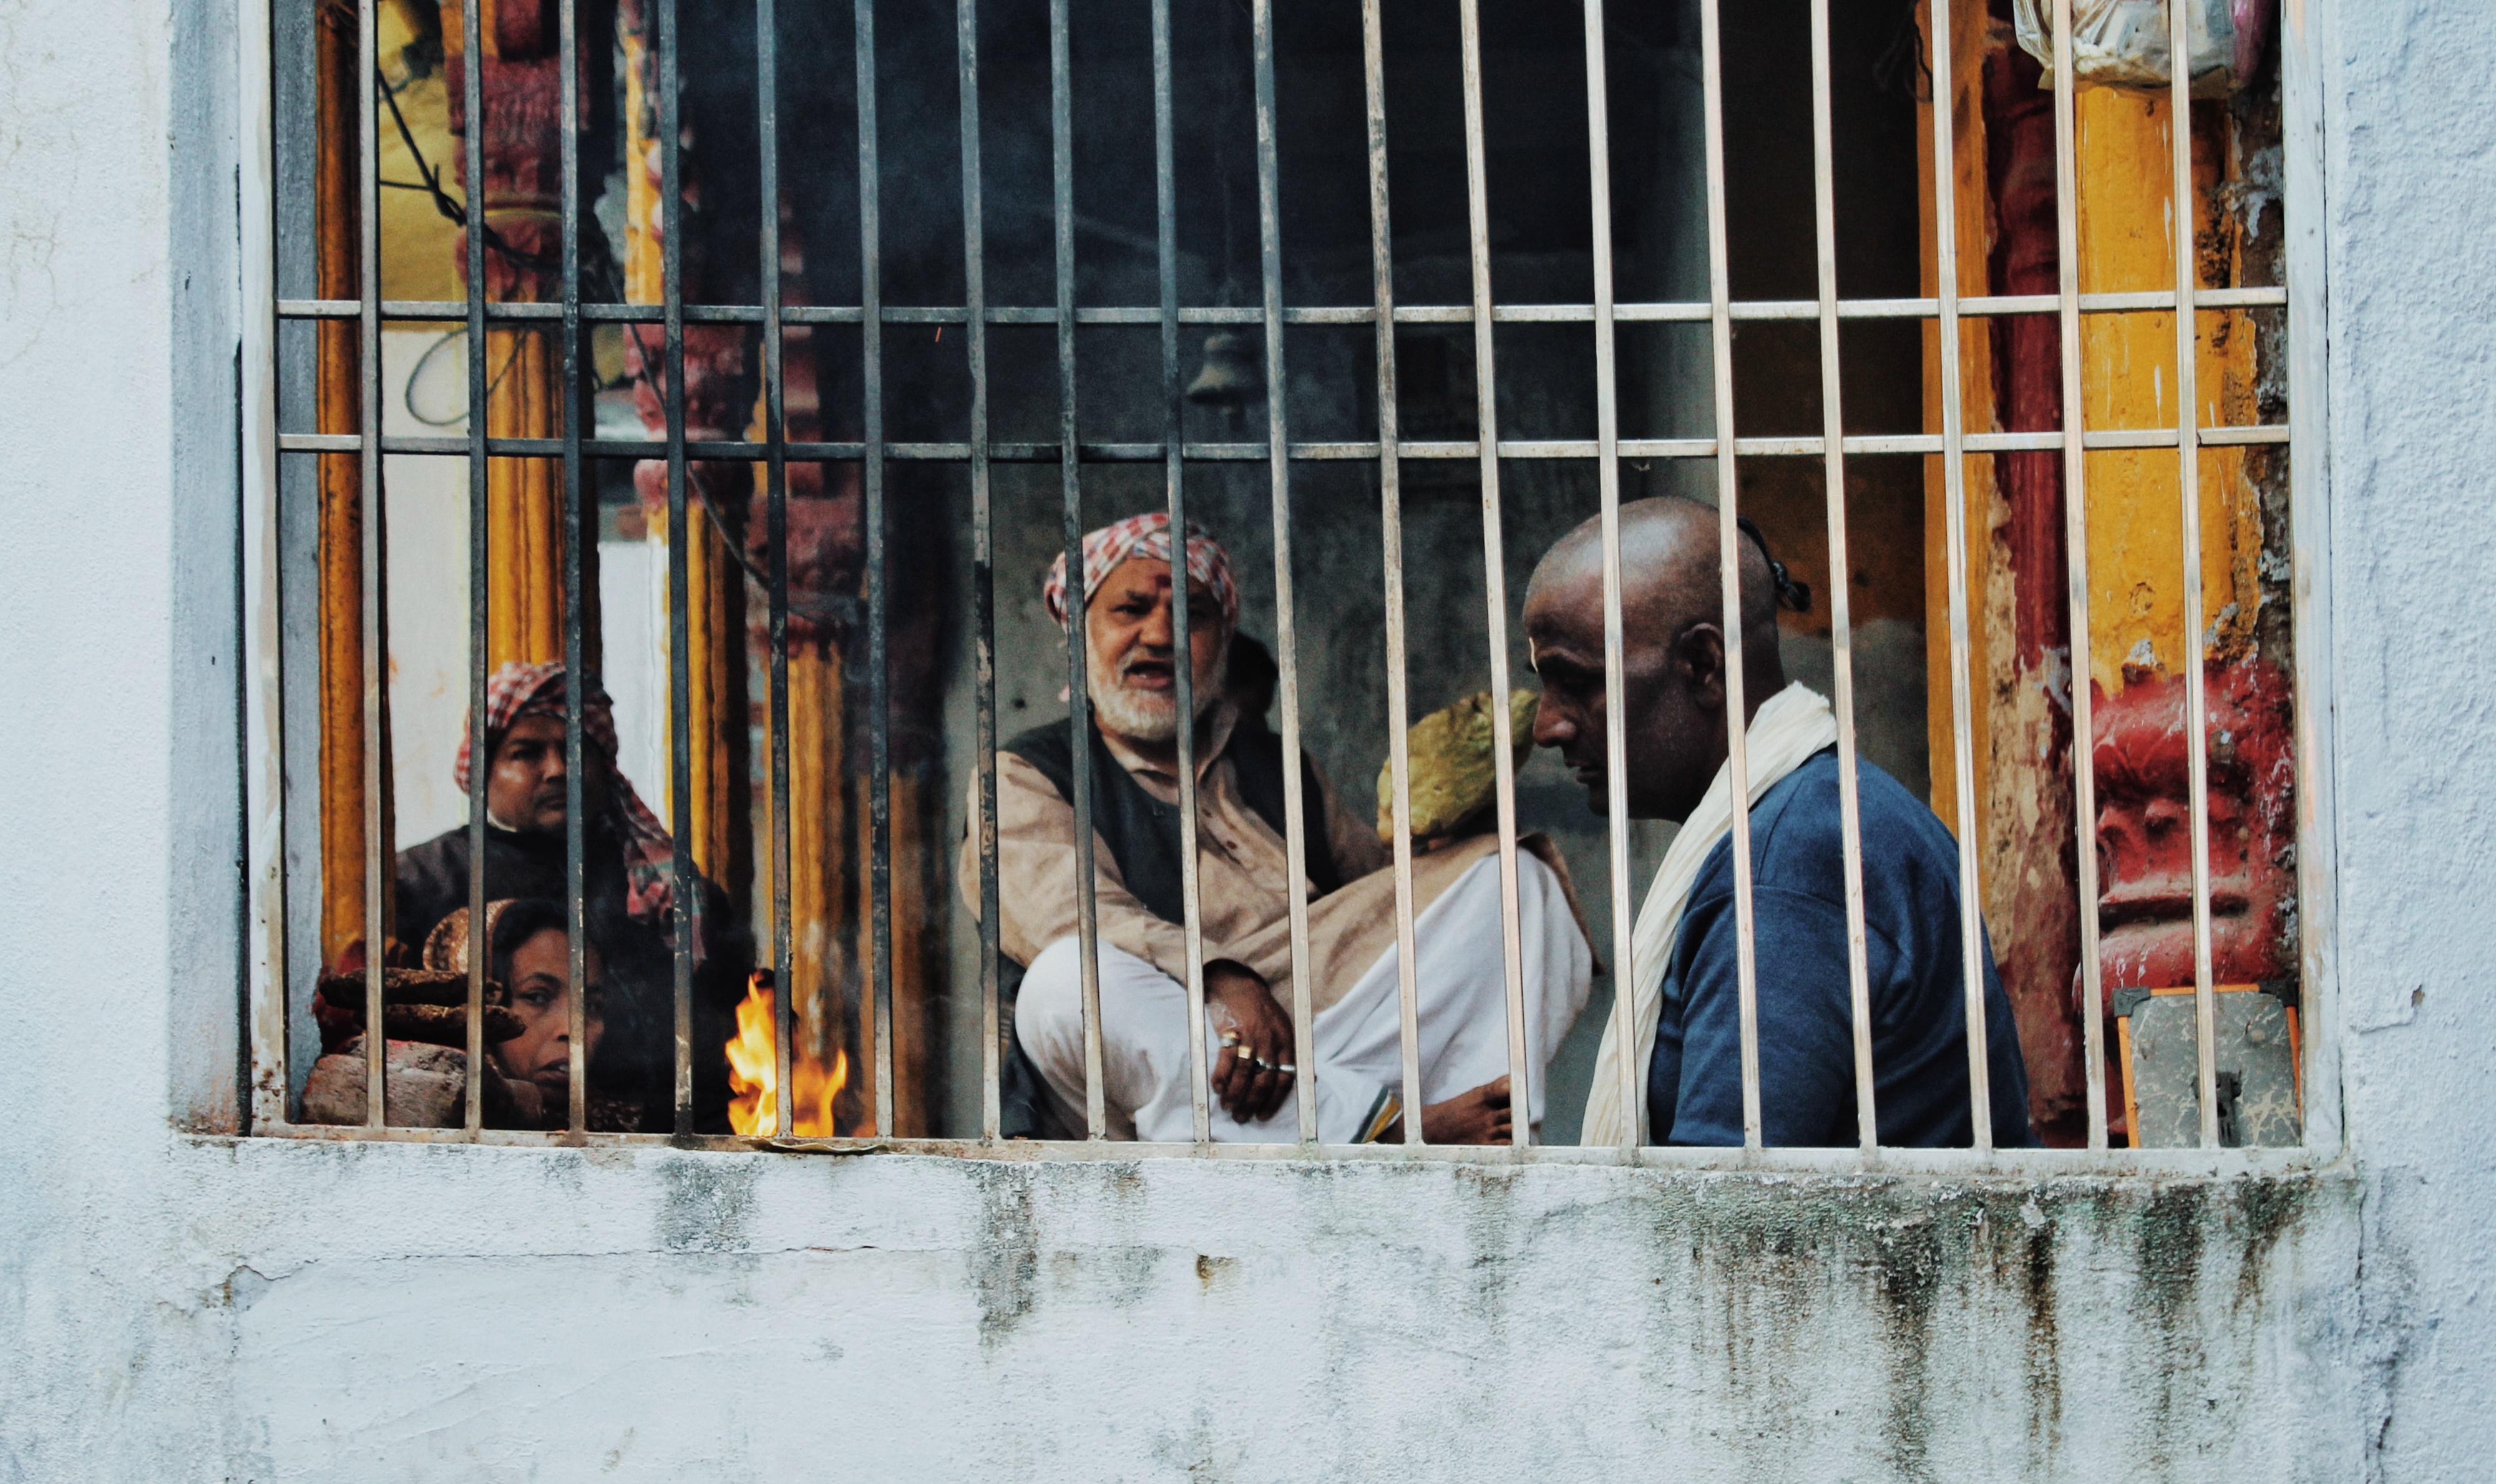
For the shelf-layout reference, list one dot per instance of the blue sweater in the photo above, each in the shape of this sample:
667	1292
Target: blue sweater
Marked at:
1806	1036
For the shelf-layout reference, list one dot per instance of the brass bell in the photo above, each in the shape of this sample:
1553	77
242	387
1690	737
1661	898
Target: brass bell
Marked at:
1231	375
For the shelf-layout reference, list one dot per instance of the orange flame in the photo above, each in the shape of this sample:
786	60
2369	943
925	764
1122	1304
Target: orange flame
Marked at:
754	1074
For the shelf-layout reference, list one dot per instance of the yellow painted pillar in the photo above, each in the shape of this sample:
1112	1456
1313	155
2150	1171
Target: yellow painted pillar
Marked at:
339	396
715	635
2136	620
1965	93
2134	523
524	367
524	502
711	822
817	842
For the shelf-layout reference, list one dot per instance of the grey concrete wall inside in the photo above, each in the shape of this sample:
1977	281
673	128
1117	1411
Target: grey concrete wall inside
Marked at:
182	1305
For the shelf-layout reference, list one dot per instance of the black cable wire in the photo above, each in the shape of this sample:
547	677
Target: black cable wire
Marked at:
453	211
840	612
1792	594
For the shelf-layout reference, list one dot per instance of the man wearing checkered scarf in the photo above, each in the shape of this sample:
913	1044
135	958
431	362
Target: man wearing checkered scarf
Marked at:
629	886
1128	599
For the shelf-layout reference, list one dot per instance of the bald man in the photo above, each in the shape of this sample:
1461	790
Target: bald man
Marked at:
1684	983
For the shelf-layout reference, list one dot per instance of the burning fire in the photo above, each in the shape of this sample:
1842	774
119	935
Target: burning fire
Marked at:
753	1075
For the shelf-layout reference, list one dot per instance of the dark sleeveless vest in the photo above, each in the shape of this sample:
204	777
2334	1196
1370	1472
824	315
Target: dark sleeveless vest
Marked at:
1141	831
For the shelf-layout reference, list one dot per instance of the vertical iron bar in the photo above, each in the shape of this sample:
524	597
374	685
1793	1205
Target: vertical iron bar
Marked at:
264	512
575	537
1390	518
2302	56
1069	484
1955	540
479	764
577	407
369	372
1278	464
775	538
975	297
680	774
878	660
2181	221
1832	423
1173	477
1729	539
1608	481
2075	539
1495	571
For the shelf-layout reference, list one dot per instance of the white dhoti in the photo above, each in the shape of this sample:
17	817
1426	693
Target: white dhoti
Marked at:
1460	1002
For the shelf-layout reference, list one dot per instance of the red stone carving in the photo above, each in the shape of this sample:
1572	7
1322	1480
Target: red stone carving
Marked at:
523	114
2144	838
2145	834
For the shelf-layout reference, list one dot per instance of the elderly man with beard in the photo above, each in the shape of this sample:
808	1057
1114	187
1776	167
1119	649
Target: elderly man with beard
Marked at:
1243	876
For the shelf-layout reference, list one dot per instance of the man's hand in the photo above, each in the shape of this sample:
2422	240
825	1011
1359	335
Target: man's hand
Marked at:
1253	1074
1479	1116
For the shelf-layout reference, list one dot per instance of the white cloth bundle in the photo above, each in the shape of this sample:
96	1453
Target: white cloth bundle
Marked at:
2125	43
1784	733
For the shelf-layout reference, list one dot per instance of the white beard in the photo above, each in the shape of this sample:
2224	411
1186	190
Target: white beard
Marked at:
1150	715
1146	716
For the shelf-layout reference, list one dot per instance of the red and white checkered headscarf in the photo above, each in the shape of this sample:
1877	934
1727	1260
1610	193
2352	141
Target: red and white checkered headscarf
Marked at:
521	689
1146	536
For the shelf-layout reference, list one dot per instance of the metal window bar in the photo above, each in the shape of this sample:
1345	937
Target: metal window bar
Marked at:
1078	695
680	778
2241	435
1175	482
2180	228
1955	552
376	649
1858	980
1494	567
1608	482
481	764
983	572
878	586
1627	311
1946	308
2310	607
1295	840
775	535
2076	540
575	690
1382	258
1729	537
259	620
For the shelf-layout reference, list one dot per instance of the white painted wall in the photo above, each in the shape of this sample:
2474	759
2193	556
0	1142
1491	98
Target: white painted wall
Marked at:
428	605
632	601
179	1305
427	497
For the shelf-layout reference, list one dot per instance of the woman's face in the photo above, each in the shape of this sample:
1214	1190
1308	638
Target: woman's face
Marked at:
541	996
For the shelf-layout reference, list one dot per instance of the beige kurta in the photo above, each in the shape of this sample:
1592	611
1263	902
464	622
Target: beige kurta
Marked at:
1242	874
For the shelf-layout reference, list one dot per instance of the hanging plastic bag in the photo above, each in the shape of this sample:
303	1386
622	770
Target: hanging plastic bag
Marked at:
2123	43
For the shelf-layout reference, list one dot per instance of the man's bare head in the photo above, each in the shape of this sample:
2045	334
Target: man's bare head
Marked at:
1672	652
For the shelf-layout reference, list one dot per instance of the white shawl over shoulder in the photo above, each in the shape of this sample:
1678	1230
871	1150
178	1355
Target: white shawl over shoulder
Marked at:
1792	725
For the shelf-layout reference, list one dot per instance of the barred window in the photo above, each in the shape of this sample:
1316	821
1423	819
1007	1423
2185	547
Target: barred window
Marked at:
675	407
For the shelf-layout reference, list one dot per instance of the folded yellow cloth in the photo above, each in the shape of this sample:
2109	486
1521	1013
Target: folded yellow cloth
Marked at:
1453	772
